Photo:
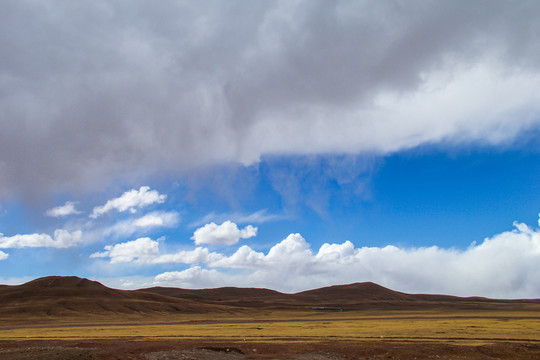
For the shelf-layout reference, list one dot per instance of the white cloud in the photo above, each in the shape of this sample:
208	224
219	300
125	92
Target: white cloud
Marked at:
396	121
227	233
128	227
138	250
188	277
129	201
3	255
506	265
146	251
62	239
198	255
157	219
67	209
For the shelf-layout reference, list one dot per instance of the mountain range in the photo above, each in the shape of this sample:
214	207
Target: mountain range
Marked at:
74	296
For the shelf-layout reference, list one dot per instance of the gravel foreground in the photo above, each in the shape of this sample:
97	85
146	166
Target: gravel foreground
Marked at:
191	350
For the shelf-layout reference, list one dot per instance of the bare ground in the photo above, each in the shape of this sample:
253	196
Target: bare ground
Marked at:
195	350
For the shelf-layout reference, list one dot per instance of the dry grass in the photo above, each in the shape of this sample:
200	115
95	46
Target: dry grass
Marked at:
305	326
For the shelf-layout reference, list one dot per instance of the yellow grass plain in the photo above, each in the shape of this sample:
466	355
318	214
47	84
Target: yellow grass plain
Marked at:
463	327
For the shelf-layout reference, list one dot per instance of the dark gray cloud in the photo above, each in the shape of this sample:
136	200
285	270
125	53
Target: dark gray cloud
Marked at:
91	91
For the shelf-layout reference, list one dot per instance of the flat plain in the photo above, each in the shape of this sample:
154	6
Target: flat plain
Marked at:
65	318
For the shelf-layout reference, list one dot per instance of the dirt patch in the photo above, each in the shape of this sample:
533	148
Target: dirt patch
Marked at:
217	350
317	356
232	354
196	354
54	352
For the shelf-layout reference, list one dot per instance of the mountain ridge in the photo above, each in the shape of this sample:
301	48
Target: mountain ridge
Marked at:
70	295
74	296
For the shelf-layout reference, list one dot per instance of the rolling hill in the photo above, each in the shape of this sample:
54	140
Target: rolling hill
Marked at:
72	296
357	296
57	296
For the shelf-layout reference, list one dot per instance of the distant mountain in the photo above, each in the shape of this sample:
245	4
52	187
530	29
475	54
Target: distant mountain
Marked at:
366	295
353	292
70	295
338	295
230	296
73	296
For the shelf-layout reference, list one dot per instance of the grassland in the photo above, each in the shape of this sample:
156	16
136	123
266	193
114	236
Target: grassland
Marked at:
308	326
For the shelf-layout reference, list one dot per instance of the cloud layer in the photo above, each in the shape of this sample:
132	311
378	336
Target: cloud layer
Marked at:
99	90
506	265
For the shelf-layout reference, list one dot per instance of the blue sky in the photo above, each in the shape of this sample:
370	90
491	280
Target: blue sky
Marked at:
305	145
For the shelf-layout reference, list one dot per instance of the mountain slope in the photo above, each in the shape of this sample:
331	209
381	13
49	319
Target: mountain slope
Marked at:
358	294
57	295
366	295
64	297
230	296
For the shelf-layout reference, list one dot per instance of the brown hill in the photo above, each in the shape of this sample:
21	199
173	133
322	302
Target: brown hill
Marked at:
230	296
73	296
340	296
353	292
366	295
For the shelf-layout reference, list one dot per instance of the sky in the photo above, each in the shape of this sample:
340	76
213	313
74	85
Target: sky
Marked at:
279	144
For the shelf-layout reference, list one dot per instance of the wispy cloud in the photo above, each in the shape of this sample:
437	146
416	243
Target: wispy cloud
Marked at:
157	219
64	210
130	201
145	223
3	255
258	217
195	256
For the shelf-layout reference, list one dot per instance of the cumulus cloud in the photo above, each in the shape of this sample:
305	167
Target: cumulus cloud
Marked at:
62	239
146	251
129	201
348	76
140	249
64	210
3	255
506	265
227	233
